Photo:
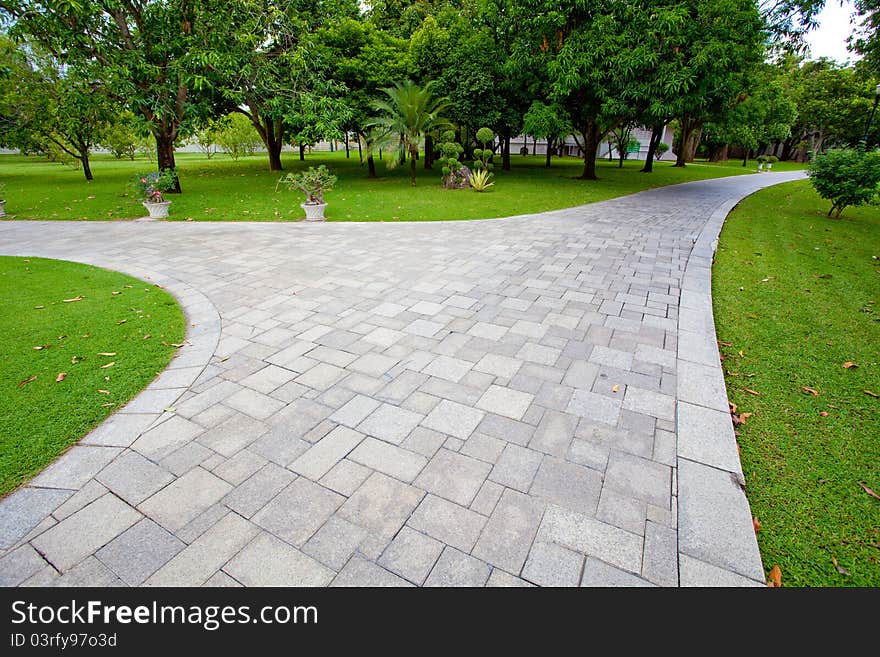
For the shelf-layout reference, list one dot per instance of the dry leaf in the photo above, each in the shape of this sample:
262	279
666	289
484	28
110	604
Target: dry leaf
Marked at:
842	571
41	347
869	491
615	388
39	307
741	354
106	353
177	344
114	293
170	409
106	404
752	392
756	524
774	579
104	392
732	406
147	336
60	377
75	360
121	321
27	380
850	365
110	364
77	298
823	413
872	394
810	391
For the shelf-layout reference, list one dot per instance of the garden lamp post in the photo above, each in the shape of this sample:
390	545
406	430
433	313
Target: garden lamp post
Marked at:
864	143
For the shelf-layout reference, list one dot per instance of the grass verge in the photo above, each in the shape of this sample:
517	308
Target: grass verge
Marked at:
88	324
797	295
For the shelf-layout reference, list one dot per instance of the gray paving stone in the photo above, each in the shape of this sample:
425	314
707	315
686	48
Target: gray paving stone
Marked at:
255	492
706	436
622	511
134	478
78	536
483	447
20	564
345	477
297	512
184	499
553	565
362	573
120	430
600	574
335	542
596	408
237	469
193	565
159	442
639	478
702	385
516	467
269	561
554	434
501	579
505	401
649	403
23	510
390	459
699	573
233	434
487	498
355	411
567	484
455	568
138	552
501	366
411	555
327	452
507	537
89	572
455	419
75	467
390	423
381	505
660	560
221	579
185	458
453	476
447	522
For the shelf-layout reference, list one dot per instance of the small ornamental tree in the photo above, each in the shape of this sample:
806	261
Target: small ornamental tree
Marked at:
450	152
662	148
485	137
845	177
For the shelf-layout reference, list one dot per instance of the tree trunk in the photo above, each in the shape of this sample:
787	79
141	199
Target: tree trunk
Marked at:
534	145
165	156
429	151
719	154
694	142
87	169
686	129
621	155
591	148
347	151
371	166
412	168
505	152
653	143
549	151
746	157
786	149
360	152
302	152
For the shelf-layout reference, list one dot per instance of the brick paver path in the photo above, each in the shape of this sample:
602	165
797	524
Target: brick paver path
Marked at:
488	402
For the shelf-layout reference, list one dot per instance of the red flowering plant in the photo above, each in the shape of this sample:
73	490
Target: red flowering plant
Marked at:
151	185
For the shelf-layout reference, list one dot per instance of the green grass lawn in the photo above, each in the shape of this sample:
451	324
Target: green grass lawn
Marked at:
44	336
797	295
222	189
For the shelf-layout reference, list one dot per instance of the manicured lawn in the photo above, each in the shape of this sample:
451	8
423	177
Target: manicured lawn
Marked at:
222	189
797	295
41	417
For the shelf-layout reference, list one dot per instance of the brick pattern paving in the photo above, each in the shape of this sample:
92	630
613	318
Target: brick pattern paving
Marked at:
438	404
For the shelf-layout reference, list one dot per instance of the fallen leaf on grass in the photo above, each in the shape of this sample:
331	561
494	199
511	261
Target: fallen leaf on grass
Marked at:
869	491
752	392
39	307
121	321
27	380
106	404
850	365
75	360
756	524
77	298
60	377
872	394
732	406
104	392
823	413
110	364
41	347
114	293
147	336
774	579
842	571
810	391
106	353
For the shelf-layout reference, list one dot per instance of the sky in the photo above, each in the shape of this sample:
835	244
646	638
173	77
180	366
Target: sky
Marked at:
829	39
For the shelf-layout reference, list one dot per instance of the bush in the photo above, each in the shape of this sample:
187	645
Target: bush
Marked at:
845	177
236	136
451	151
480	180
772	159
313	183
483	155
662	147
762	159
150	186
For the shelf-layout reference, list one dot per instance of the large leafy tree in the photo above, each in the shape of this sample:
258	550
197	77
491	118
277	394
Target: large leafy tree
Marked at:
548	122
406	114
156	57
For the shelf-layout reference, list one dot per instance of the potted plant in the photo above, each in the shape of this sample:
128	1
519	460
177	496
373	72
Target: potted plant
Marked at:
2	200
762	162
313	183
151	186
771	160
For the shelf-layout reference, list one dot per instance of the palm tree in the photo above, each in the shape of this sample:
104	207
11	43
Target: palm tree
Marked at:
408	112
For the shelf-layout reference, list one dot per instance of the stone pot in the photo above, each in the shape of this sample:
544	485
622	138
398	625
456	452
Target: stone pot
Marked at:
157	210
2	207
314	211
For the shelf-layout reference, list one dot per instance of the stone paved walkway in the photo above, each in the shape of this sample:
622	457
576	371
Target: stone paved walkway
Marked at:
503	402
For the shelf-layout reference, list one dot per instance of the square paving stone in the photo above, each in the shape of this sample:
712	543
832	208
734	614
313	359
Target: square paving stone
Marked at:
456	568
298	511
507	537
355	411
381	505
345	477
455	419
362	573
553	565
241	466
134	478
447	522
253	403
139	552
184	499
554	434
411	555
453	476
446	367
75	467
327	452
255	492
483	447
160	441
390	423
505	401
622	511
233	434
596	408
516	467
120	429
335	542
390	459
269	561
639	478
321	377
23	510
79	535
500	366
566	484
599	573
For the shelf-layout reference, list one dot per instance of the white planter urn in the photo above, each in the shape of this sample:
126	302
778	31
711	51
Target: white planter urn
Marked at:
769	166
314	211
2	207
157	210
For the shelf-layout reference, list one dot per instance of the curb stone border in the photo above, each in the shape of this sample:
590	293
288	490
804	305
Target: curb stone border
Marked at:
57	483
717	542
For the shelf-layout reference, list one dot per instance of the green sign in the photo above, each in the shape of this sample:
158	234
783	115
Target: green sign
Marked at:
634	147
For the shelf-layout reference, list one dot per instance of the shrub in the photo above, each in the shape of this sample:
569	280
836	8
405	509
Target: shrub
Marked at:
151	185
313	183
662	147
236	136
450	151
762	159
845	177
772	159
480	180
483	155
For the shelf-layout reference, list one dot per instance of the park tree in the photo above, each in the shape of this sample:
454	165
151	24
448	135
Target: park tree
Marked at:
406	114
548	122
122	137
